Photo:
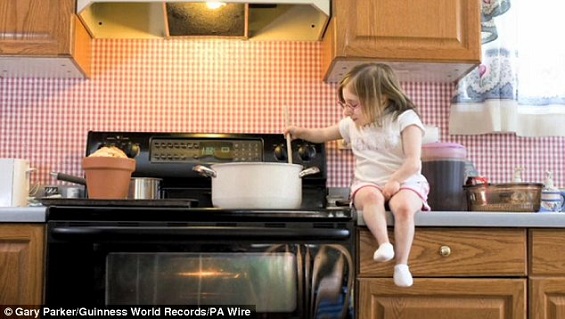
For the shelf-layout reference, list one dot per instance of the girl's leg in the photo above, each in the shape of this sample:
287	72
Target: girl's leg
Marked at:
404	205
370	201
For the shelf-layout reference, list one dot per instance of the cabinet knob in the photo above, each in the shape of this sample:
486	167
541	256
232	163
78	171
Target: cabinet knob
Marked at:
445	251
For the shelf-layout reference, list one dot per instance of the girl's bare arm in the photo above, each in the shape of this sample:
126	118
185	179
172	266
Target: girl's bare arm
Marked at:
315	135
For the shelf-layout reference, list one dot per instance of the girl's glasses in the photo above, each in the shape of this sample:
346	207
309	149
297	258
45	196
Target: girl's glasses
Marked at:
347	105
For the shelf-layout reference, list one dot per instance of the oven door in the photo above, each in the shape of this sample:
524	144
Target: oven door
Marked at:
281	272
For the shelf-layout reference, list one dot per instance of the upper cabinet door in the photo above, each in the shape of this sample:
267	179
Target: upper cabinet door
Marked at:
439	36
36	27
442	30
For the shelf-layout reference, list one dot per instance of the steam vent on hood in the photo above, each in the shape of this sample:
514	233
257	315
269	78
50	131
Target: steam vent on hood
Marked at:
197	19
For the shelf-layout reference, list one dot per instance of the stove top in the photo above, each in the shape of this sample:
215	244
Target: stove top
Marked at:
172	156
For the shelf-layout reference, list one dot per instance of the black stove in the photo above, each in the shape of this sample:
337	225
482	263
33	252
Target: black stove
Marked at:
180	250
185	193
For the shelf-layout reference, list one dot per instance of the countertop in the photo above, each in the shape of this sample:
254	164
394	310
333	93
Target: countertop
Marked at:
36	214
481	219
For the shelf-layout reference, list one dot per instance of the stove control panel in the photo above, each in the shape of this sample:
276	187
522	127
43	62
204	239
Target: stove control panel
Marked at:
171	156
188	150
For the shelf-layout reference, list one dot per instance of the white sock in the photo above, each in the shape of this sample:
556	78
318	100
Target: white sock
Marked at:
402	276
384	253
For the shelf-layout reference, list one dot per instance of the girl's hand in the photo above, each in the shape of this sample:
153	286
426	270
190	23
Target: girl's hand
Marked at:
391	187
292	131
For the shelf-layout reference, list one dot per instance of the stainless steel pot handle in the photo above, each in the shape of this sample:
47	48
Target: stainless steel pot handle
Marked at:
309	171
204	171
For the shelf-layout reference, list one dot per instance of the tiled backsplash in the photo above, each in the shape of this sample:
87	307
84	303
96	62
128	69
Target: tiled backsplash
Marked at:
219	86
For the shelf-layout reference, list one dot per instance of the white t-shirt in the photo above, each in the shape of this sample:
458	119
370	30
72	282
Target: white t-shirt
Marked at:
378	150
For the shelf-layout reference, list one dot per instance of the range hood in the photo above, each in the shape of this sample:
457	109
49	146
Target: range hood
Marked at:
292	20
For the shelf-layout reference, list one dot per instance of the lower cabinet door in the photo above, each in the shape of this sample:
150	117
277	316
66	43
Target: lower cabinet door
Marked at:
439	298
547	297
21	264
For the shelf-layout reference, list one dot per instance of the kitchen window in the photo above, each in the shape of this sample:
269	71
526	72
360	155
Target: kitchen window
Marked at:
520	85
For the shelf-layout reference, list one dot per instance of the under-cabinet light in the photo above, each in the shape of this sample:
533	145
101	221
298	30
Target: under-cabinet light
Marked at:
215	4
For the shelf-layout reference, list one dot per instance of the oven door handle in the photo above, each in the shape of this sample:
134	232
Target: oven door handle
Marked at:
175	233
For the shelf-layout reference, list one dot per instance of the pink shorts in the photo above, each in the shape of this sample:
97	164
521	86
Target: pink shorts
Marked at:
422	189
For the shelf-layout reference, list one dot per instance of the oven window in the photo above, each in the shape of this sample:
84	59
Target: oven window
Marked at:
203	279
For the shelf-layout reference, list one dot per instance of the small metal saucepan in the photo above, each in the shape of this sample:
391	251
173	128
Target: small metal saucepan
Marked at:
145	188
66	191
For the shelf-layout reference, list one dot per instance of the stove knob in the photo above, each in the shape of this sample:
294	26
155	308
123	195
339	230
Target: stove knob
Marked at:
306	152
131	149
280	153
134	150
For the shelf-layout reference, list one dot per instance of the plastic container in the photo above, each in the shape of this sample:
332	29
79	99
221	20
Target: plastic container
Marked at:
443	165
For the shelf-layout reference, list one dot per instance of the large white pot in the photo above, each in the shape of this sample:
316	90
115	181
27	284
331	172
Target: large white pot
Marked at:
256	185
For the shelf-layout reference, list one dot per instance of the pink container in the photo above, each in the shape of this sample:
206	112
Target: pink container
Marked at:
443	165
439	151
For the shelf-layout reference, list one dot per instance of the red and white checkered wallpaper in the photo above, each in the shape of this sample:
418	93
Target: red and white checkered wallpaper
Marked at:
219	86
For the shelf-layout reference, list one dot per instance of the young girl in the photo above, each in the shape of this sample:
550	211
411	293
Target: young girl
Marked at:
385	133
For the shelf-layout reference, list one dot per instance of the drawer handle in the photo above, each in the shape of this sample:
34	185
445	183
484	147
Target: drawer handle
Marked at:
445	251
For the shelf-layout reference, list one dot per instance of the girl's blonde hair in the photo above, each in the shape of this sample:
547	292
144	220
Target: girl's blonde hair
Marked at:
372	83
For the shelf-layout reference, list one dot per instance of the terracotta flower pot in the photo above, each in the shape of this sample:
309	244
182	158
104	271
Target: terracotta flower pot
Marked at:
108	177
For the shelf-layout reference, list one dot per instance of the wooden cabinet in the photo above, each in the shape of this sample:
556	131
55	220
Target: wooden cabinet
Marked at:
43	38
547	274
438	41
21	264
443	298
465	273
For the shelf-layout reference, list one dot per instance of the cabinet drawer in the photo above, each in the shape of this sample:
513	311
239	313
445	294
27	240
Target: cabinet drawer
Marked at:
441	252
547	247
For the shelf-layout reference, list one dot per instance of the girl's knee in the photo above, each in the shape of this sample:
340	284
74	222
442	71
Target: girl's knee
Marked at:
368	196
402	211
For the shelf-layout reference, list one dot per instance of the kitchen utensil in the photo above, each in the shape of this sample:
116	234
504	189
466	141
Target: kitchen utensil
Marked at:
61	191
287	136
68	178
145	188
509	197
65	191
256	185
